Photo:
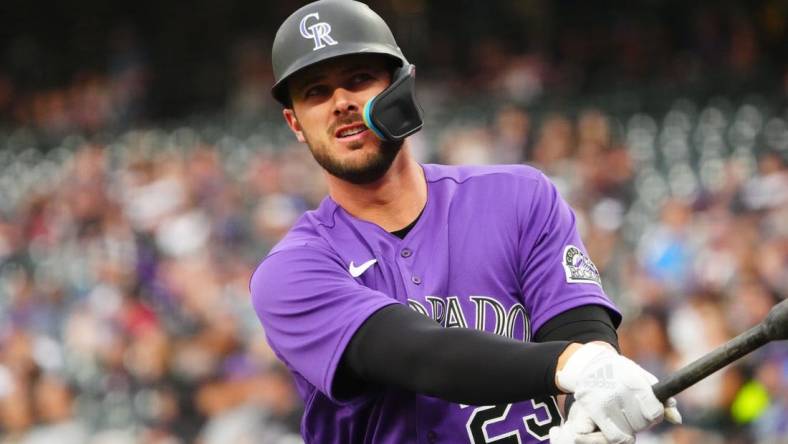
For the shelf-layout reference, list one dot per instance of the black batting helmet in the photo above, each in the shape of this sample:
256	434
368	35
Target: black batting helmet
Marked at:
326	29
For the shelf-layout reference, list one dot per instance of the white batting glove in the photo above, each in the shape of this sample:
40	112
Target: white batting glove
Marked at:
579	428
614	392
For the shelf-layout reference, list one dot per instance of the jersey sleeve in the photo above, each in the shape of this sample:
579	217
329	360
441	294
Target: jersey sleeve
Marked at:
556	273
310	307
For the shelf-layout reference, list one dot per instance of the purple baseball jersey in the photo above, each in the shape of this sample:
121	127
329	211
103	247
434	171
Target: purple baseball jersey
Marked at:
495	249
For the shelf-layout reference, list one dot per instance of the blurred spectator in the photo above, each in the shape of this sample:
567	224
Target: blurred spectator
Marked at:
53	402
666	251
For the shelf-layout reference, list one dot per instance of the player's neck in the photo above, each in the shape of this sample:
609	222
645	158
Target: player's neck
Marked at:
392	202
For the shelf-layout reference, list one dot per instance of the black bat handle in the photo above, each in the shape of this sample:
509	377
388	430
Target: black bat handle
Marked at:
774	327
710	363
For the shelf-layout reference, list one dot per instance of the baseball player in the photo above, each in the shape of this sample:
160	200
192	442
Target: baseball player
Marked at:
429	303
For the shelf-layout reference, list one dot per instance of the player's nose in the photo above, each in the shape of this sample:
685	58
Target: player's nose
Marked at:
344	102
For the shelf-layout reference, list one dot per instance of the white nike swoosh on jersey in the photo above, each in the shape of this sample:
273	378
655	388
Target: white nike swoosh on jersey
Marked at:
358	271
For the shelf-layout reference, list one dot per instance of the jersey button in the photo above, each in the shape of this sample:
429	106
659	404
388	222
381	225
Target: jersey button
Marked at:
416	280
432	437
406	252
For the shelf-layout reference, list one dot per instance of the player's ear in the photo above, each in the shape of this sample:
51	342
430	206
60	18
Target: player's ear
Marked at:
292	122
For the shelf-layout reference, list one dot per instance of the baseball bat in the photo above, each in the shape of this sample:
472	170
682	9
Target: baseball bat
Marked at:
773	328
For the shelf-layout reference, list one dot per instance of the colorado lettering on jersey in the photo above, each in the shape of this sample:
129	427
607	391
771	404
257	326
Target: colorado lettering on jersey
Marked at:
482	313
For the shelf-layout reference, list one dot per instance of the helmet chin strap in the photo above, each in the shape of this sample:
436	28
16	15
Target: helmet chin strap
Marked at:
394	114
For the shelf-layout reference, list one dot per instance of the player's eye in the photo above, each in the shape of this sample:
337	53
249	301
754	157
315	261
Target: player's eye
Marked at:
315	91
361	77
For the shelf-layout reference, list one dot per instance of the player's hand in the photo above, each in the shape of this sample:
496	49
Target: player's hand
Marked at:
615	392
579	428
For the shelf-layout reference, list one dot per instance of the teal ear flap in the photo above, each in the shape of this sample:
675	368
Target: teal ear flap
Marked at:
368	120
394	114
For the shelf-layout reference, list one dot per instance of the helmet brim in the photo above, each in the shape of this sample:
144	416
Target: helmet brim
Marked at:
280	89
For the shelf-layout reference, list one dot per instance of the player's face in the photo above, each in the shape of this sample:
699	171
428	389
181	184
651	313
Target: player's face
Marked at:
327	104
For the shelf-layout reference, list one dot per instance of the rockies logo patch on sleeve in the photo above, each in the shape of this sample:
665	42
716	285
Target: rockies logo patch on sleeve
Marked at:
578	267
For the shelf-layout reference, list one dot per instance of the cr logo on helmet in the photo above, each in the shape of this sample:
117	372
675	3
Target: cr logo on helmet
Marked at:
319	31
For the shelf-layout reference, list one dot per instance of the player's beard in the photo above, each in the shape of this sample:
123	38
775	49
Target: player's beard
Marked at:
367	170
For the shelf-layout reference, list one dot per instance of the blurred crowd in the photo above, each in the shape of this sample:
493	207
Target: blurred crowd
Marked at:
123	66
124	264
124	301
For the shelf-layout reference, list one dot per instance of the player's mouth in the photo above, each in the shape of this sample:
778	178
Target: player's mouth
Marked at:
351	132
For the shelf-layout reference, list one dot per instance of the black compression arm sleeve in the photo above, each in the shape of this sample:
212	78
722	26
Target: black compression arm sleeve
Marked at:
399	347
582	324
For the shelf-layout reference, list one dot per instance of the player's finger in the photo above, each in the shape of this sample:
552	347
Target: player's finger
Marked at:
562	435
633	412
579	421
672	413
557	435
650	407
613	432
591	438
